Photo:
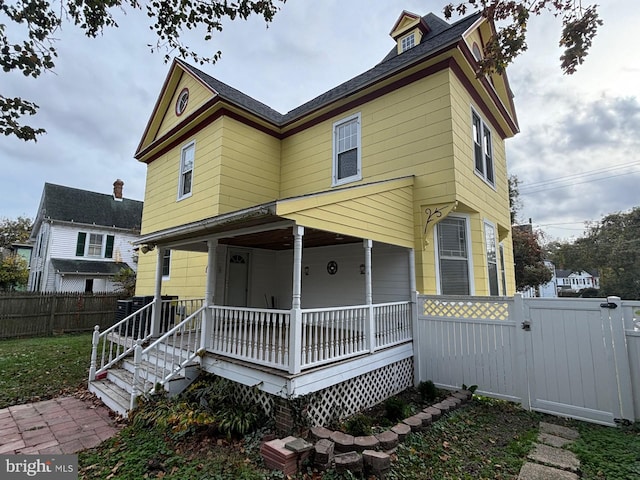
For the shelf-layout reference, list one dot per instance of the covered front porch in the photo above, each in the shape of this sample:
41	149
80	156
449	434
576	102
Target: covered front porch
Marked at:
288	308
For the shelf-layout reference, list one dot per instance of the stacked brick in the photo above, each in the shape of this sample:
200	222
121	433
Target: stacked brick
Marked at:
365	454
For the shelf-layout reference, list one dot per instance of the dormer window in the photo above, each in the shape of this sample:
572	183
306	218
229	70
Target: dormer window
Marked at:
408	42
476	51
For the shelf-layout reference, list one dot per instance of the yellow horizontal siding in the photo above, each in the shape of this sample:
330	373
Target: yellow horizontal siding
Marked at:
161	207
250	167
385	216
198	94
187	274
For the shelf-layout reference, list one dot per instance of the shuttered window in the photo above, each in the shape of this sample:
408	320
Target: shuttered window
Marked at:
82	238
453	256
108	251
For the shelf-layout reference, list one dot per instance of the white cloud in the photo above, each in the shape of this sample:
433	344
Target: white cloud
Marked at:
96	105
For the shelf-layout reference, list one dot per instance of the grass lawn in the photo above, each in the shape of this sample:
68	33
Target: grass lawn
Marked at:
40	368
487	439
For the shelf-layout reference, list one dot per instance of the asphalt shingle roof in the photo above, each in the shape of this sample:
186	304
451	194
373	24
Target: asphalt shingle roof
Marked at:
81	206
439	36
87	266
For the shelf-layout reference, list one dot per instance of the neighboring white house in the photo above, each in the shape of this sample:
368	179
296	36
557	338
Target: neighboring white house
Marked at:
548	290
81	239
568	280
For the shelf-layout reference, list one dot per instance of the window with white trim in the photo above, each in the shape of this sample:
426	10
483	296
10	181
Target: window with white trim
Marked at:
408	42
503	275
187	157
482	148
454	256
166	264
95	245
492	257
346	150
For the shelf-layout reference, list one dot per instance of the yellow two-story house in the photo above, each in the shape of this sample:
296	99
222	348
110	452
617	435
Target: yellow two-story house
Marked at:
303	237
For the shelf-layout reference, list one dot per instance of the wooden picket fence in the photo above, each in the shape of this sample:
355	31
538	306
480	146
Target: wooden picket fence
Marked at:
25	314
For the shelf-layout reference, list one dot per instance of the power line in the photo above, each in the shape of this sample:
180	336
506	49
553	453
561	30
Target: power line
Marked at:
542	189
578	175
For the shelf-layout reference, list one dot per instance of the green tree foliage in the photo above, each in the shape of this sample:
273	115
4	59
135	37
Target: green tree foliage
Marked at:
515	204
125	279
528	257
580	22
14	231
13	272
611	246
28	46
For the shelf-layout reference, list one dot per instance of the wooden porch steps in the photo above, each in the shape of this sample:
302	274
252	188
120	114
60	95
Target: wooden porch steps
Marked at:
115	389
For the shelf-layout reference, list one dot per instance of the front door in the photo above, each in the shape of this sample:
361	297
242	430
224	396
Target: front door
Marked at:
237	278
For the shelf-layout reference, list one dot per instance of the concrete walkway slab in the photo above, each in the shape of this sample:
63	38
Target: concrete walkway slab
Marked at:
553	440
555	457
558	431
534	471
63	425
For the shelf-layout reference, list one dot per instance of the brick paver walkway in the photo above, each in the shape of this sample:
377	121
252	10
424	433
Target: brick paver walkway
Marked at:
64	425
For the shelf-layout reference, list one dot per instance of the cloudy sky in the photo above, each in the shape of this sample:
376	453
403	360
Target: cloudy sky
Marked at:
577	156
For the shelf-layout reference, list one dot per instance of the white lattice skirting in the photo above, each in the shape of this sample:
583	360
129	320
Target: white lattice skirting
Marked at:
344	399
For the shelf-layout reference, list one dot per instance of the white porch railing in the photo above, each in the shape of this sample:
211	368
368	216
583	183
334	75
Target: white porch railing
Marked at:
167	356
118	341
325	335
251	334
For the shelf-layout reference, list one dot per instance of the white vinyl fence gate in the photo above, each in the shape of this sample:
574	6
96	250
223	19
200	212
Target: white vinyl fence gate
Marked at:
577	358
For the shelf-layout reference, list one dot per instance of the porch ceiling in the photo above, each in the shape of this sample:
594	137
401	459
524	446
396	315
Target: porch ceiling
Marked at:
282	239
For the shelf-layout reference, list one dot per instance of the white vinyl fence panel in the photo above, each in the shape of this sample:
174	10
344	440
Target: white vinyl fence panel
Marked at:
572	357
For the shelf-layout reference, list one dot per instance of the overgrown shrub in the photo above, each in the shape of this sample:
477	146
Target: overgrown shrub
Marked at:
358	425
396	409
428	391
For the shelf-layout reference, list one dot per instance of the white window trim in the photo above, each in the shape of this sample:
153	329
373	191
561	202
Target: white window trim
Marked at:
486	254
168	276
483	126
358	176
180	173
87	242
467	221
406	37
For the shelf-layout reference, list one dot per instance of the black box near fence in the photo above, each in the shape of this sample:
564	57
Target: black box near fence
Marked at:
135	324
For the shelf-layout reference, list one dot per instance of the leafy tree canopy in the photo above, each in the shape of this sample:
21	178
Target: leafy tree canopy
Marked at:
13	272
612	247
32	50
14	231
580	24
528	257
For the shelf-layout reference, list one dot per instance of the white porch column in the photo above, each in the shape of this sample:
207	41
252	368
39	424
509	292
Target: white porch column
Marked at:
209	295
157	297
368	296
295	328
368	244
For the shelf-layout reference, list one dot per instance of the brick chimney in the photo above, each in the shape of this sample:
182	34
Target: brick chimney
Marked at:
117	189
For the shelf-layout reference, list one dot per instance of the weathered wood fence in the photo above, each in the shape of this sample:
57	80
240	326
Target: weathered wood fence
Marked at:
29	315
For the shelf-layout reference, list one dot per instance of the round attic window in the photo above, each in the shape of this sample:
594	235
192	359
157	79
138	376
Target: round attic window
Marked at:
181	103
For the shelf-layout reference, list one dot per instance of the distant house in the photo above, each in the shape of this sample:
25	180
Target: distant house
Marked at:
81	239
547	290
568	280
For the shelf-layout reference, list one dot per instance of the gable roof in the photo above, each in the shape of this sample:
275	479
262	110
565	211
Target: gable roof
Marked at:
88	267
66	204
440	35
